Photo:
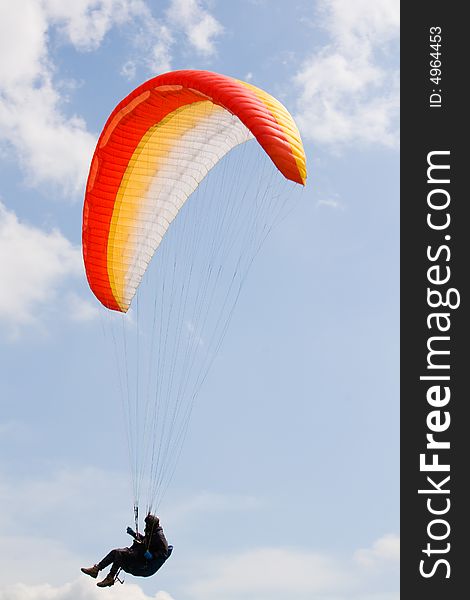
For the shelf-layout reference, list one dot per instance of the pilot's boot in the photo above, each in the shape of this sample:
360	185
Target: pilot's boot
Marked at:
108	581
91	571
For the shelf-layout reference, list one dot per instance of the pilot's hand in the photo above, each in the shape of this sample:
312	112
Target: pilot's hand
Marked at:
130	531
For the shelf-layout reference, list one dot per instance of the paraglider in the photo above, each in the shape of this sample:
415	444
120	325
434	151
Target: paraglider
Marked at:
143	559
148	197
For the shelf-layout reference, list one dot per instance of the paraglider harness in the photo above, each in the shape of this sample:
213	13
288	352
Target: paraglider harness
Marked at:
149	569
153	563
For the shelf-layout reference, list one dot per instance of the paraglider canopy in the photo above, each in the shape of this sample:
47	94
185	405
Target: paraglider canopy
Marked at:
156	147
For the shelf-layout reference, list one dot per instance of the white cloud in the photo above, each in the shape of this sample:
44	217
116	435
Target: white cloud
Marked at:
330	203
28	560
163	596
86	22
269	571
385	549
80	309
198	25
81	589
129	69
33	266
159	58
153	42
22	27
275	573
52	147
348	93
376	21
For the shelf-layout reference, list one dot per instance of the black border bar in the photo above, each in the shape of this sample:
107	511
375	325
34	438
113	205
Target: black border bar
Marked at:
435	332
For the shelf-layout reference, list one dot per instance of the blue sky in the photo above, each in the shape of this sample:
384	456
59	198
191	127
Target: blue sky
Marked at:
288	481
